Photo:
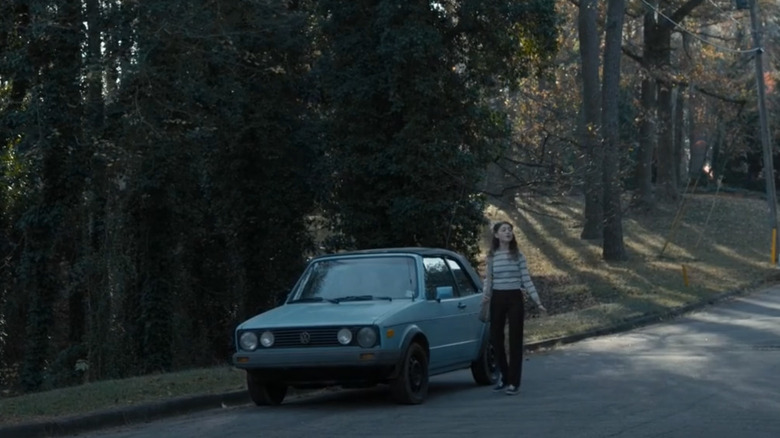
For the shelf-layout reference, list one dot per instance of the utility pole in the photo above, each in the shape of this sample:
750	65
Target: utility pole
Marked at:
769	171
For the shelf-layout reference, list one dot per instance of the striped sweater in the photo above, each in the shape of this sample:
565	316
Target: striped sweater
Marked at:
504	272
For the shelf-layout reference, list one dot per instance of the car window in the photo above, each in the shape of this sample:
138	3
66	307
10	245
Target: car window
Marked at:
462	279
437	274
393	277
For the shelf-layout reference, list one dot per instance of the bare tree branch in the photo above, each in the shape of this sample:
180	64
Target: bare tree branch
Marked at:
678	81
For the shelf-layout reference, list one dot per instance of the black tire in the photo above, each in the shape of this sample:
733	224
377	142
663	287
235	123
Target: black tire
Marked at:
484	369
411	385
264	394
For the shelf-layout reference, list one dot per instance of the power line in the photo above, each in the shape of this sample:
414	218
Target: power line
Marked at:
681	28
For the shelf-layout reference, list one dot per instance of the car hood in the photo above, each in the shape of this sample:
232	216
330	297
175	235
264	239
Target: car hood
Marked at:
325	314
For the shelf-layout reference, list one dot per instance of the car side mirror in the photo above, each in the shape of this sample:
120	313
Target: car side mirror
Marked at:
443	292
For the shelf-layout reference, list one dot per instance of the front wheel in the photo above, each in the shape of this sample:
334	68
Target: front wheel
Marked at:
411	385
264	394
484	369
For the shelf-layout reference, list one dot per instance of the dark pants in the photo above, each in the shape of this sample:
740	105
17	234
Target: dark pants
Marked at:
508	304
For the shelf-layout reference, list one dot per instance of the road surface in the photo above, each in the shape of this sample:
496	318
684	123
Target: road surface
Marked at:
714	373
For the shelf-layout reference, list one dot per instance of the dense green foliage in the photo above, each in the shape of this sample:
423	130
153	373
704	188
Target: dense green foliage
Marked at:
410	124
163	162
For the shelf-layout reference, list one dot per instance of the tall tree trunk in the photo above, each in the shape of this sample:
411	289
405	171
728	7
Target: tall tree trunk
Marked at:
665	177
94	67
13	300
613	248
717	146
657	57
697	153
96	287
644	198
93	115
51	230
697	157
681	171
156	305
112	21
591	113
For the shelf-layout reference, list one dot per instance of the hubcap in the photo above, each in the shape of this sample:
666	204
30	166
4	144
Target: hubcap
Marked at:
416	374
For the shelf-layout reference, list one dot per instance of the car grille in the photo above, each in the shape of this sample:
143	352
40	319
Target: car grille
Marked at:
309	337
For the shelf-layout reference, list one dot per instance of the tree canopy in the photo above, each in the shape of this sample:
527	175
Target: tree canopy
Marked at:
169	166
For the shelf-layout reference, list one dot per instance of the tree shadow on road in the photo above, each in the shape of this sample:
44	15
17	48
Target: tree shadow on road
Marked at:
440	387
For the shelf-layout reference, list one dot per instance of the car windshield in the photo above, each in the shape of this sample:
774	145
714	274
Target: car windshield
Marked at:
359	279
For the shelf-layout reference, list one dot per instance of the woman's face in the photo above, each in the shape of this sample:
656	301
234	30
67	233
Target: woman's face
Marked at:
504	233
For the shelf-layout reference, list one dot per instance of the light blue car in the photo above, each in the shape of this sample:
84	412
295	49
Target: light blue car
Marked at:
394	316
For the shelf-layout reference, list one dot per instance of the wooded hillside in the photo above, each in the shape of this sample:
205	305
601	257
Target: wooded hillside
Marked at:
168	166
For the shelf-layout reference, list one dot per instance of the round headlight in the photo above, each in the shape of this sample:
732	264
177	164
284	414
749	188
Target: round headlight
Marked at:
366	337
267	339
248	341
344	336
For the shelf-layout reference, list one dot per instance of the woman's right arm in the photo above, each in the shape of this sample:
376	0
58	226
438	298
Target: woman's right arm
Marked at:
487	286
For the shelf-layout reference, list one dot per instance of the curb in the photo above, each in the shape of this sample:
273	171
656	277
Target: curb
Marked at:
124	416
640	321
187	405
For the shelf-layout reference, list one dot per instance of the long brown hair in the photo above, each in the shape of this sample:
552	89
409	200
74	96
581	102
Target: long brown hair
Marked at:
495	244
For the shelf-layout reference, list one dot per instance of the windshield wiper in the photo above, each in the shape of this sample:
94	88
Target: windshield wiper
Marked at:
354	298
313	300
360	298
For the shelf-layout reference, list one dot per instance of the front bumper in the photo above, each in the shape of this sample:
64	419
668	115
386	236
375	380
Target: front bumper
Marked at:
313	357
319	366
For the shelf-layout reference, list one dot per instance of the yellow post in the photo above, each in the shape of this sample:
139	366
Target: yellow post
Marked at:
685	275
774	246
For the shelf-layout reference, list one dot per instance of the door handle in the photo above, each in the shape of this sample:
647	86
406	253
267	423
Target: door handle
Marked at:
461	306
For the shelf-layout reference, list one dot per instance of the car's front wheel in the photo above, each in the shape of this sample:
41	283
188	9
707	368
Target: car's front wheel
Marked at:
484	369
263	393
411	385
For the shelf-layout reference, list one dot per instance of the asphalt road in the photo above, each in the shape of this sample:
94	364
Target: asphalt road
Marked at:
713	373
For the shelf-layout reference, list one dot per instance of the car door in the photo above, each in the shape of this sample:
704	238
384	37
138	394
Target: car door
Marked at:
442	313
470	328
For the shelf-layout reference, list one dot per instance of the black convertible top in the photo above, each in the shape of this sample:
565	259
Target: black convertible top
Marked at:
419	250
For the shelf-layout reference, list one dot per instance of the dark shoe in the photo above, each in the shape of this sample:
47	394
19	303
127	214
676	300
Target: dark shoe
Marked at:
500	386
512	390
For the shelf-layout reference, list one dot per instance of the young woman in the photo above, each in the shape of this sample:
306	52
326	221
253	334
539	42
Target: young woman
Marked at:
506	282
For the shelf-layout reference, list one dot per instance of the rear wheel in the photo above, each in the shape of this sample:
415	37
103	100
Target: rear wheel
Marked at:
263	393
411	385
484	369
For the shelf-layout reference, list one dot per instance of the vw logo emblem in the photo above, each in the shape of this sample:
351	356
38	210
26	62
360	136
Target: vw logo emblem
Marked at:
305	338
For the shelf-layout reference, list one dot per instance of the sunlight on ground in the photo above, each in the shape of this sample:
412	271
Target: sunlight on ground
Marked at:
695	250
